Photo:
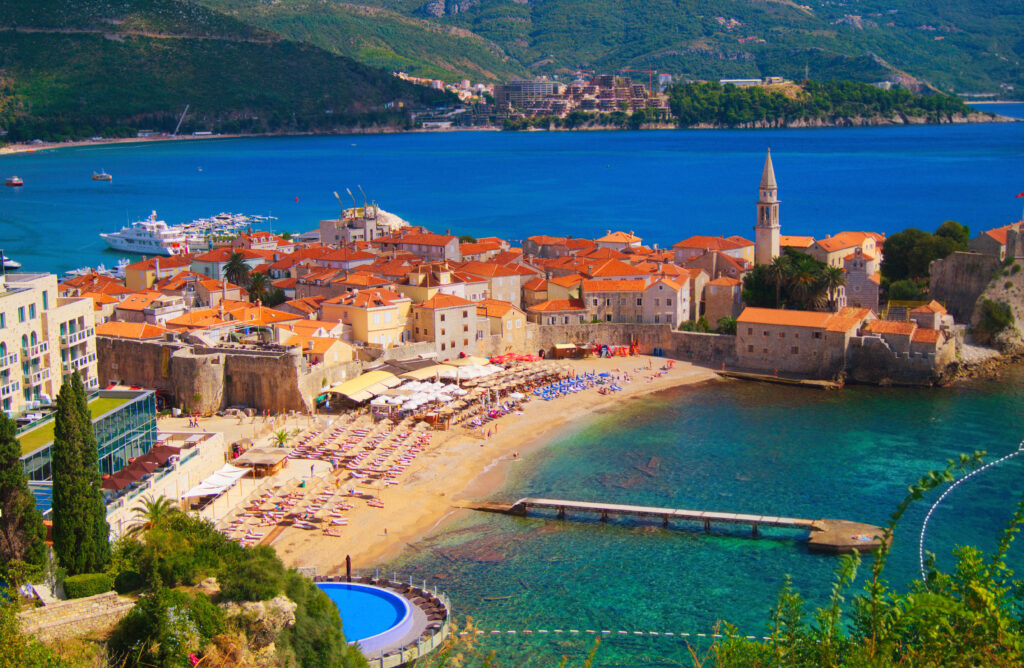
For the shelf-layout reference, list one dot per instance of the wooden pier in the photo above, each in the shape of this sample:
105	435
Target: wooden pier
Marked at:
825	535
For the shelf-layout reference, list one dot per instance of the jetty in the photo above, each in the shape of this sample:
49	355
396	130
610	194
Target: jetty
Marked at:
825	535
782	380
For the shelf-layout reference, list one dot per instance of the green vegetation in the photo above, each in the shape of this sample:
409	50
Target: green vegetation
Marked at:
175	553
727	325
793	280
379	38
87	584
908	254
956	45
43	434
236	270
22	534
79	513
730	106
112	68
995	317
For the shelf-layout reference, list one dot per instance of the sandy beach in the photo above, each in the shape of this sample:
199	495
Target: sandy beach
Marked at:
459	465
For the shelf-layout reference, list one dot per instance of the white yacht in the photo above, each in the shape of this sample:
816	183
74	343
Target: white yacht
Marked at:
149	237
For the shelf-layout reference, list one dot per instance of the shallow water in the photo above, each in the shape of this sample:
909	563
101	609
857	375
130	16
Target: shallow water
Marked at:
732	446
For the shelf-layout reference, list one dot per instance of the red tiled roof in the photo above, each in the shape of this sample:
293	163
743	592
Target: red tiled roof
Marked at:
493	308
726	281
925	335
536	285
445	301
772	316
630	285
931	307
795	242
700	242
558	305
165	263
130	330
619	237
891	327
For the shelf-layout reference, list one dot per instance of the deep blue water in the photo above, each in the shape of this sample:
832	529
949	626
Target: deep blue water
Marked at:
663	185
730	447
364	612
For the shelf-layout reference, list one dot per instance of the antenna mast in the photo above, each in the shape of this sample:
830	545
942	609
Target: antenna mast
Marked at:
182	118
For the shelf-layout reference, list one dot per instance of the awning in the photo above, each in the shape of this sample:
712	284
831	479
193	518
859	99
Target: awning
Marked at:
426	373
565	346
466	361
350	388
218	482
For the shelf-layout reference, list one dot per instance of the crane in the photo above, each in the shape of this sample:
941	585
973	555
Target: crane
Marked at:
650	77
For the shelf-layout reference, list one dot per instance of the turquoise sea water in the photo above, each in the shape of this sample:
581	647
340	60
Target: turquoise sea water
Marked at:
732	447
664	185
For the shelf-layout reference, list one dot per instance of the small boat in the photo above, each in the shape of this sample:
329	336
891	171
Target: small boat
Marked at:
14	181
102	176
9	264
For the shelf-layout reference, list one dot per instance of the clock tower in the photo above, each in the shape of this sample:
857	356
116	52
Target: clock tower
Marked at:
766	231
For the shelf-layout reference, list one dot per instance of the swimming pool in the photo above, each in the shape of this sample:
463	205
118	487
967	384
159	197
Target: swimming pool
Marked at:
372	616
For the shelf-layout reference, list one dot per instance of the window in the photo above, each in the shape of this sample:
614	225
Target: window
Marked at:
3	320
639	301
657	318
750	331
595	302
750	349
639	318
508	325
607	302
21	314
46	300
608	317
465	314
376	318
465	328
765	332
442	346
817	335
657	301
668	302
442	317
31	311
795	350
782	335
442	331
465	342
566	320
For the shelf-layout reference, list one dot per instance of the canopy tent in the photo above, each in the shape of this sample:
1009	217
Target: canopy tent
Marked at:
218	482
426	372
468	360
366	386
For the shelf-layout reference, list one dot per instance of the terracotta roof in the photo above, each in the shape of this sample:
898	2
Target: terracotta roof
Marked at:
619	237
725	280
130	330
544	240
559	305
855	312
931	307
876	278
603	254
925	335
700	242
345	255
567	281
611	268
740	240
488	269
224	254
470	248
675	285
372	298
417	238
98	299
999	233
139	300
844	240
361	279
198	319
256	315
866	256
536	285
494	308
796	242
305	304
771	316
445	301
631	285
285	283
165	263
891	327
508	256
841	323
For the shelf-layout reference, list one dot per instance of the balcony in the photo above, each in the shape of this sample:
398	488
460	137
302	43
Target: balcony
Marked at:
36	350
74	338
9	389
79	362
37	377
92	383
8	360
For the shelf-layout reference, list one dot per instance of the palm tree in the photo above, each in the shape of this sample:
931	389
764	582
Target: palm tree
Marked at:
778	273
281	437
236	270
257	286
151	513
833	278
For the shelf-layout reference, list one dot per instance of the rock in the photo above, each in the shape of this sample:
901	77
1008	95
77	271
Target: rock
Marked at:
263	620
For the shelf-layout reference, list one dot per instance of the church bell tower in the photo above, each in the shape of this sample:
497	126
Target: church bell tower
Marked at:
766	239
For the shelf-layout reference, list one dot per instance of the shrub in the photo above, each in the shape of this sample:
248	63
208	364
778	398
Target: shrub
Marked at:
163	629
1014	269
257	575
129	581
995	317
316	638
87	584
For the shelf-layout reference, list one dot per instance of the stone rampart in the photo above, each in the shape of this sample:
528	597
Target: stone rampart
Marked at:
870	360
959	280
76	617
698	348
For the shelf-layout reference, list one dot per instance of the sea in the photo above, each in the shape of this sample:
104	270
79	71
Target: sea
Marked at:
726	446
662	185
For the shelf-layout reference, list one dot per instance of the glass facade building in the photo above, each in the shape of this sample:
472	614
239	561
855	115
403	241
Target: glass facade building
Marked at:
126	430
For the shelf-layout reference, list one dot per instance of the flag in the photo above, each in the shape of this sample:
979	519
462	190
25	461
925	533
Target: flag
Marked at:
297	199
1019	195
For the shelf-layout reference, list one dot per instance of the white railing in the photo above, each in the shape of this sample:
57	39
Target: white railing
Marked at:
38	377
9	389
8	360
74	338
36	350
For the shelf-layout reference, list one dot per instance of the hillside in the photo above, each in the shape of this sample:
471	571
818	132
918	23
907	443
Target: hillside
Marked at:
379	37
72	69
955	45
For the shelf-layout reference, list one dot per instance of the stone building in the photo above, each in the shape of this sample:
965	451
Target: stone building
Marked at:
43	339
808	343
449	321
862	280
767	228
722	298
558	312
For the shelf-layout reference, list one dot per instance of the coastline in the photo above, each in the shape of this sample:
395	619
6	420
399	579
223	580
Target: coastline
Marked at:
460	466
14	149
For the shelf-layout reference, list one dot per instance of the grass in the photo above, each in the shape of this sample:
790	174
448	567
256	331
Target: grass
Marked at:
43	434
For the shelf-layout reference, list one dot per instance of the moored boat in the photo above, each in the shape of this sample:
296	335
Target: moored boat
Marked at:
102	176
148	237
14	182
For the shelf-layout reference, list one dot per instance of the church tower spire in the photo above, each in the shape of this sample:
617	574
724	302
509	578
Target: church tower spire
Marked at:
766	230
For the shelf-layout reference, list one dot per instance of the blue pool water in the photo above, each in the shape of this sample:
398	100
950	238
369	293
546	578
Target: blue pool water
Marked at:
366	611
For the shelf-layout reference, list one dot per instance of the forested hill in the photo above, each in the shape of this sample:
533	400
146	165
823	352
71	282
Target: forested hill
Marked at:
71	69
955	45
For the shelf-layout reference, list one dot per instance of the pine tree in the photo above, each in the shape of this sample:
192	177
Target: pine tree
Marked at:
22	534
80	530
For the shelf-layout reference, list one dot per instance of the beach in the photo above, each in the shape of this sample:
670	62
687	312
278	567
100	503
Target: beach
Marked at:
459	465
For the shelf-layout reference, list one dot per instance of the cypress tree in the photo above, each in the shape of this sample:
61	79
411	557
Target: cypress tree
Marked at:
80	530
22	534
